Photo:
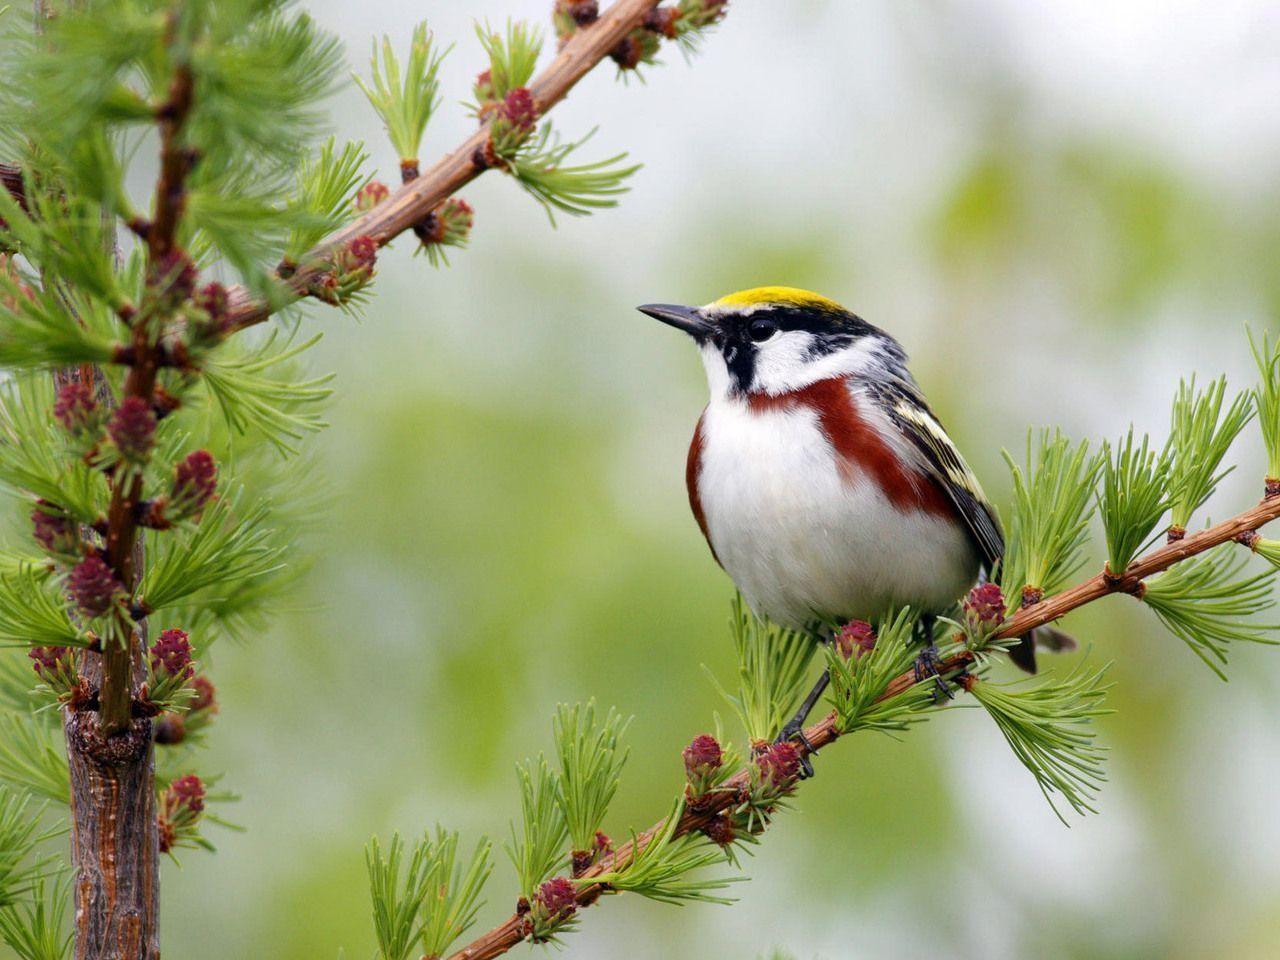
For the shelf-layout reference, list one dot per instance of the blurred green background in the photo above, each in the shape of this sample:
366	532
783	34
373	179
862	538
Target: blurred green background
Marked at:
1058	207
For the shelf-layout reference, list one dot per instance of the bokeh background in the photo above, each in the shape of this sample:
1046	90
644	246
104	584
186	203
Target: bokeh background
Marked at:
1058	207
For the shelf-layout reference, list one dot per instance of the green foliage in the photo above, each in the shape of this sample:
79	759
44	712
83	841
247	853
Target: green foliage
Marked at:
395	899
221	551
453	898
38	329
1199	436
19	868
263	390
512	55
857	683
33	456
1266	397
323	200
538	850
591	761
662	867
1132	499
1048	724
36	928
539	167
406	103
1204	602
32	758
33	611
68	238
773	665
1052	504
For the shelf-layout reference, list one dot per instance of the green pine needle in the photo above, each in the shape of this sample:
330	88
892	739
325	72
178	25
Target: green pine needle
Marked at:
579	190
1199	436
1266	397
33	451
661	869
262	390
397	895
1132	499
405	102
1052	503
37	928
1048	725
773	668
513	55
591	761
538	850
33	759
323	200
1204	602
37	330
33	611
451	902
224	549
19	837
858	682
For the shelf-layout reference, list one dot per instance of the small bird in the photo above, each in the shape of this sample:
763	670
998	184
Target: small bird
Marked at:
823	483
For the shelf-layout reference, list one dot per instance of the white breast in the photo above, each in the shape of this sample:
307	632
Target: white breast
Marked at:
801	540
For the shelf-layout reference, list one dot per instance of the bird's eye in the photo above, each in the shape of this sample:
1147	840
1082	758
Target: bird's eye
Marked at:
762	329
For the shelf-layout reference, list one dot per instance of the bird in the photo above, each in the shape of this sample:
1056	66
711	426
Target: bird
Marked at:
825	486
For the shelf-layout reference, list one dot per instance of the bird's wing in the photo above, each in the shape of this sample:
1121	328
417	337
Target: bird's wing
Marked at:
941	461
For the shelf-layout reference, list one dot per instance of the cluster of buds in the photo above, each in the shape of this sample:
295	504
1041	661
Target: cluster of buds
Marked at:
984	611
350	270
666	23
132	430
513	120
449	225
568	16
703	763
581	860
80	415
555	901
169	669
195	484
56	667
94	587
774	774
56	533
207	319
171	280
175	726
855	640
180	810
370	195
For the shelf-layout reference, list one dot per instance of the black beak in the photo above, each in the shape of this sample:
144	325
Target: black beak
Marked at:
688	319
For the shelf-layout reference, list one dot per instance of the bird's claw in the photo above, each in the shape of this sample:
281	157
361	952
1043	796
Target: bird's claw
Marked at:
926	665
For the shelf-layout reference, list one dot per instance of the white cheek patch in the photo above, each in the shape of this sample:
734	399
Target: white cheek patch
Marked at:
779	359
783	364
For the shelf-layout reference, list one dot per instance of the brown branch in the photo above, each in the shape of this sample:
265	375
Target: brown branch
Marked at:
115	711
418	198
515	929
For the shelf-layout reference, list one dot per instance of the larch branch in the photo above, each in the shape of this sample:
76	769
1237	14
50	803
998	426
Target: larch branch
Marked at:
514	930
419	197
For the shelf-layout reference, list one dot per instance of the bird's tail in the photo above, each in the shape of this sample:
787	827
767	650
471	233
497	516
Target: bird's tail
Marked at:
1050	638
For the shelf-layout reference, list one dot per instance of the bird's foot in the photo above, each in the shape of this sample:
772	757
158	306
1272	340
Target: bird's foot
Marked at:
793	732
926	665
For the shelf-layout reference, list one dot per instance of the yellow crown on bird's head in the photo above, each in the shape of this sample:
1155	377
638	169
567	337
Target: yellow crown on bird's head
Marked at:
776	297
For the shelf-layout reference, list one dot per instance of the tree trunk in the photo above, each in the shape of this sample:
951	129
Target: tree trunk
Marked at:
115	840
